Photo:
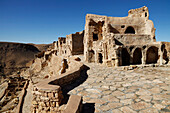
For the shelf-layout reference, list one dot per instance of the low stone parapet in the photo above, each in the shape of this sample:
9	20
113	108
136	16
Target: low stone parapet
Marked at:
74	104
47	94
46	98
66	78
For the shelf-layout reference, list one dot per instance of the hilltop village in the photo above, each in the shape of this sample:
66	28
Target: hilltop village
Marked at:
115	65
116	41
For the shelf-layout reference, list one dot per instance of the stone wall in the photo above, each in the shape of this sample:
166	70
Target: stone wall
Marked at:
47	94
71	45
68	77
77	40
46	98
133	39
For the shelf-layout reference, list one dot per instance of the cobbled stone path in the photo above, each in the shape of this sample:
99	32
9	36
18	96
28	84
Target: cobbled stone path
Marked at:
114	90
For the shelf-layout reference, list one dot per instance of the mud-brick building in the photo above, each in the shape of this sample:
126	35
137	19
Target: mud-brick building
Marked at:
117	41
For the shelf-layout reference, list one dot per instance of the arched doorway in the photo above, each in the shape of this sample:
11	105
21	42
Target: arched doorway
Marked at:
100	58
130	30
137	55
91	56
152	55
125	57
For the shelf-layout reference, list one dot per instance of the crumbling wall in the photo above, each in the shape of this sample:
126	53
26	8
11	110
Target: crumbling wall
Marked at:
139	12
71	45
61	45
77	43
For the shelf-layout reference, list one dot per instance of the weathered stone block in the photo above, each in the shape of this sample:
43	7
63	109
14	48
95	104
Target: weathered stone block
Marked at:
44	98
51	94
34	102
53	104
42	104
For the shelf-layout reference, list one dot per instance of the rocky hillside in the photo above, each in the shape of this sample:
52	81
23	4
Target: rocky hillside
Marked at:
15	56
41	47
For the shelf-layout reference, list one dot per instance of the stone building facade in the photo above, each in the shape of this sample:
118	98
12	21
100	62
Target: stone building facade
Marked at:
116	41
70	45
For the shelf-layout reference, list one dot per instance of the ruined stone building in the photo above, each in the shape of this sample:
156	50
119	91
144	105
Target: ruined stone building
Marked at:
56	74
116	41
71	45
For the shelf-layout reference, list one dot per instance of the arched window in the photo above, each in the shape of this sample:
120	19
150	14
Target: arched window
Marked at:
130	30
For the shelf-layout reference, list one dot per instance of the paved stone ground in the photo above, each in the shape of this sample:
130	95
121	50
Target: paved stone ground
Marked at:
113	90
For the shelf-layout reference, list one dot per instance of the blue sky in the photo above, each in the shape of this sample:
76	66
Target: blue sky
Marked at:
43	21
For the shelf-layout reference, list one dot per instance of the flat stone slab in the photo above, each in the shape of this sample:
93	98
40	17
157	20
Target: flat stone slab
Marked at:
43	85
74	104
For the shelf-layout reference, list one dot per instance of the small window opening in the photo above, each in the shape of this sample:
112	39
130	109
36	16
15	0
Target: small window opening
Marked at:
122	26
144	47
100	58
109	41
146	14
131	48
95	37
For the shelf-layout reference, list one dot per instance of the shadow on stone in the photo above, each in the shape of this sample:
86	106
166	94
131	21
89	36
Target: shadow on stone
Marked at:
75	83
88	108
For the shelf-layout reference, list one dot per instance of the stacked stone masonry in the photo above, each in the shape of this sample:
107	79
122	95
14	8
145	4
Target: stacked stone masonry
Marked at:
47	95
46	100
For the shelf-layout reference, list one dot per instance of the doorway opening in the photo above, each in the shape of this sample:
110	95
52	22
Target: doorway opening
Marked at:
125	57
152	55
100	58
137	56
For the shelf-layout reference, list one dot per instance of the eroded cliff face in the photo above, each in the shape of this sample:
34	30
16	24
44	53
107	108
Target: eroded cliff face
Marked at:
15	56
